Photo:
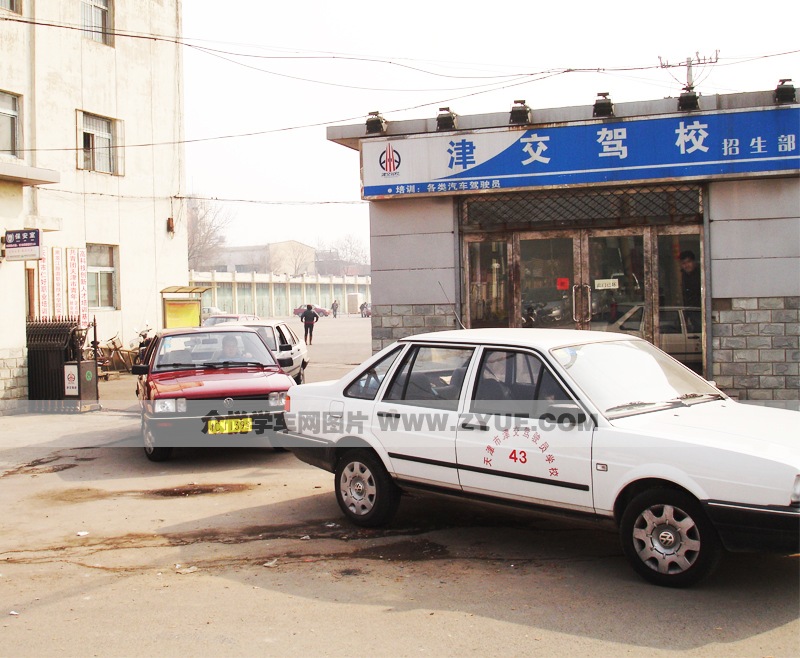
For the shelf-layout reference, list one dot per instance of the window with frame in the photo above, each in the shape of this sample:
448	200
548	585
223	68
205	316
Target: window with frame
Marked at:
100	144
430	377
9	123
102	275
11	5
366	386
96	20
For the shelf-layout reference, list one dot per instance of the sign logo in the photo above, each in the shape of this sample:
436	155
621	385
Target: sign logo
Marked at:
389	161
228	403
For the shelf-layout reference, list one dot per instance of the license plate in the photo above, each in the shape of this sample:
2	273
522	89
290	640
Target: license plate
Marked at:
230	426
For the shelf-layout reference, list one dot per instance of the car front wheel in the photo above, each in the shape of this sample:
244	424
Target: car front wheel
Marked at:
668	539
365	490
153	452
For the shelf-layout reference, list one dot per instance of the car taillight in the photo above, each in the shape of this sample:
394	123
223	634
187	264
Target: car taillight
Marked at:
287	403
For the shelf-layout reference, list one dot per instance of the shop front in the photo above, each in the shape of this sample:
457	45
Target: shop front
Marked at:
679	226
624	259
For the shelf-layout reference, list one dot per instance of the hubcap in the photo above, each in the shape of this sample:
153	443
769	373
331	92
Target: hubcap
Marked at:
666	539
357	488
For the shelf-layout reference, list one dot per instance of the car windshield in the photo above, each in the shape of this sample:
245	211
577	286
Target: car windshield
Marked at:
212	349
628	377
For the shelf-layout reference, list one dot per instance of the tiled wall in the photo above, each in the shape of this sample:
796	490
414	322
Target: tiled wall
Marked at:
756	347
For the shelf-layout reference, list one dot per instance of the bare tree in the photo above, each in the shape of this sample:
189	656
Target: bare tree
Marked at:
351	250
206	226
292	257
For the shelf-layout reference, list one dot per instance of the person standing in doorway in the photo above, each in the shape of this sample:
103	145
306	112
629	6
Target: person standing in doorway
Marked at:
334	308
309	318
690	280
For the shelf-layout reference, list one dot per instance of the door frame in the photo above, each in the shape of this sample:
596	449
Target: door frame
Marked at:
581	236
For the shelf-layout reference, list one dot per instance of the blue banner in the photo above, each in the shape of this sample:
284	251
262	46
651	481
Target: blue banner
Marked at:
676	147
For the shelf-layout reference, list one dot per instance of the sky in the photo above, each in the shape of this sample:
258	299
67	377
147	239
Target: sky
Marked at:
262	80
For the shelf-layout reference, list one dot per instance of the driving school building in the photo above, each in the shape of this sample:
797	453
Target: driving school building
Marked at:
676	219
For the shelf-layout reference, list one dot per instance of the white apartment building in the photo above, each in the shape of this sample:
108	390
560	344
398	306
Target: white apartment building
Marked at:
91	155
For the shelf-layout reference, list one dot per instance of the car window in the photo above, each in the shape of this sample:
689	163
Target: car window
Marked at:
200	349
507	383
295	339
669	322
269	337
694	323
634	321
282	338
288	333
431	377
366	385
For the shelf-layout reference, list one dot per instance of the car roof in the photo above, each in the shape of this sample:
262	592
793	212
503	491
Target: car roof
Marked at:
544	339
253	323
224	327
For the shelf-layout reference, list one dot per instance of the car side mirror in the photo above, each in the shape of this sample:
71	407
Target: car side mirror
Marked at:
140	369
285	363
284	347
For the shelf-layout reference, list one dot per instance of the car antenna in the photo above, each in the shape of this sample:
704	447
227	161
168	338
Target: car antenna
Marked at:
458	319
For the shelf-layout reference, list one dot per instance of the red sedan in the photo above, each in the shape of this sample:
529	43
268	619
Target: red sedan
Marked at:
209	386
321	312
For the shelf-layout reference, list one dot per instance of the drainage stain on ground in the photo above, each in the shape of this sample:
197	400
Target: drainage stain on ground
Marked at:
87	494
196	490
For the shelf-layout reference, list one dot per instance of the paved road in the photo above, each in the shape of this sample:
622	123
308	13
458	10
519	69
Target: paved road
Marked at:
244	552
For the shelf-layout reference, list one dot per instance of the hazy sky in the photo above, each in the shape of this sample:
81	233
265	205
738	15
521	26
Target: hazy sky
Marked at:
285	70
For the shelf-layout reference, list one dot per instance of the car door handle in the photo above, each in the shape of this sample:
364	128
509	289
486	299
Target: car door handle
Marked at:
470	426
386	414
693	337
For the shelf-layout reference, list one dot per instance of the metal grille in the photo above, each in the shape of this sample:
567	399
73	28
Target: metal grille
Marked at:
586	208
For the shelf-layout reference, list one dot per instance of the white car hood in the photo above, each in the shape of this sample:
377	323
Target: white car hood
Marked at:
749	429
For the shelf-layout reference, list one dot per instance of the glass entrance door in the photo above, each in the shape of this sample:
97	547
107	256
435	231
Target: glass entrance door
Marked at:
645	281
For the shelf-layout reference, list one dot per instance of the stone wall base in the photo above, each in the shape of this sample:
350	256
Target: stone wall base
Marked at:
393	321
13	380
756	347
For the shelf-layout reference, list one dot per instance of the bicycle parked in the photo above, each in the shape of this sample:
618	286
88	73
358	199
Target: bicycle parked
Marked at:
110	356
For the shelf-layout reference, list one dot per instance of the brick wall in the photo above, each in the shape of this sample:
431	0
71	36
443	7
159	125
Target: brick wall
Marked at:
756	347
13	379
393	321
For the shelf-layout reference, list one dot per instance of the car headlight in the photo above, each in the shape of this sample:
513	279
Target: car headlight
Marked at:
796	491
277	399
169	406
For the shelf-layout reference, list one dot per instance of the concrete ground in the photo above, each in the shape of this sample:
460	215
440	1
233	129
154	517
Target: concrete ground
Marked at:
244	552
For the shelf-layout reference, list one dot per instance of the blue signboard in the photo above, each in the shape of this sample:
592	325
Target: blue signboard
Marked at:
675	147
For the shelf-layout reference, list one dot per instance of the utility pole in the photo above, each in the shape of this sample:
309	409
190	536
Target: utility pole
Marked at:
689	64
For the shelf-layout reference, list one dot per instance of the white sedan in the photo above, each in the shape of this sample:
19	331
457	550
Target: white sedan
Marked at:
590	423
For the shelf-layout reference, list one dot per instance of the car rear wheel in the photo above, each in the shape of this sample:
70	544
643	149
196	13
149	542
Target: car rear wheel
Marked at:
365	490
668	539
153	452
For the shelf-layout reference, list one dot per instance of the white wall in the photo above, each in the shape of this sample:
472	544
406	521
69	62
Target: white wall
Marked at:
755	238
138	82
413	249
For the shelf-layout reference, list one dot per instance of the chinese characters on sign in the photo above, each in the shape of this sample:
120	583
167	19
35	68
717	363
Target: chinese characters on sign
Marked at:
44	289
83	288
72	283
58	282
638	149
522	456
23	245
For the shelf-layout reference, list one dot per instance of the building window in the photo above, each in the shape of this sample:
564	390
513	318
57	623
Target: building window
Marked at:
11	5
102	275
100	144
9	120
97	23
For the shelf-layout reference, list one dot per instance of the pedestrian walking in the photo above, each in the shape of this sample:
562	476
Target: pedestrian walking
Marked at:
334	308
309	318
